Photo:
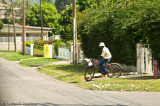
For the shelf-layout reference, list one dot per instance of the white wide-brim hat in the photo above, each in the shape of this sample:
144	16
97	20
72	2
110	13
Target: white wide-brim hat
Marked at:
101	44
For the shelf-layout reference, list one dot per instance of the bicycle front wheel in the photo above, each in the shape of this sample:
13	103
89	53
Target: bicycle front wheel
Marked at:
114	70
89	74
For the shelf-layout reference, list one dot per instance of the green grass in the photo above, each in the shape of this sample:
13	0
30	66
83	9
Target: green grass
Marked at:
6	51
36	61
14	56
119	84
75	74
67	73
26	60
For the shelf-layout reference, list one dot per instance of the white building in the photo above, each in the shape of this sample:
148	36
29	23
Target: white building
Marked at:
32	33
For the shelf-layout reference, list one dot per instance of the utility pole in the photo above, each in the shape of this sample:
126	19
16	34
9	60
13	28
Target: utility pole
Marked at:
24	27
15	47
8	37
41	19
75	57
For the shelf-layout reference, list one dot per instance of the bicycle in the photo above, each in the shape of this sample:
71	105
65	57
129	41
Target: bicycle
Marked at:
113	68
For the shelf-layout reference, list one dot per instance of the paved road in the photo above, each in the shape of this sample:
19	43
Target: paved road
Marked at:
19	85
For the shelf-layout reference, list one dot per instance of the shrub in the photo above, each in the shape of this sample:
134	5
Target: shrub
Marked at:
38	50
1	25
60	43
28	43
42	42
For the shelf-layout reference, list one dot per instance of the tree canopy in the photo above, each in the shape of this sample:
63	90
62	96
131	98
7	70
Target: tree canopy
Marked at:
66	22
62	4
121	27
50	16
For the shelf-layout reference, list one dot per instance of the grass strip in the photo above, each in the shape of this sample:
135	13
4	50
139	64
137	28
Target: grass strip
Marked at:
67	73
14	56
75	74
35	61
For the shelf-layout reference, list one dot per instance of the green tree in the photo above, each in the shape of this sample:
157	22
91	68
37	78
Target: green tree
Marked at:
62	4
66	22
84	4
66	17
50	17
1	24
48	1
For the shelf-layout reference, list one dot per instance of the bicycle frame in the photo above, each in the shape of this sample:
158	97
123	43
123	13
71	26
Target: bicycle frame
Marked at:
113	68
106	64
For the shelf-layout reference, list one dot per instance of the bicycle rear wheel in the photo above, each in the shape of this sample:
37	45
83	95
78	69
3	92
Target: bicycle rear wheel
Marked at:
89	74
114	70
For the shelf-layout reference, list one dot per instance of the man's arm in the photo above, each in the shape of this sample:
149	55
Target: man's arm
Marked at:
97	61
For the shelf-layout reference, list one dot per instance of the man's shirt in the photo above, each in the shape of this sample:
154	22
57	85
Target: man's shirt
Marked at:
106	53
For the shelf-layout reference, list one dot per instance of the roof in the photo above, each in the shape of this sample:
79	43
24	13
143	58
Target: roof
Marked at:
29	29
34	27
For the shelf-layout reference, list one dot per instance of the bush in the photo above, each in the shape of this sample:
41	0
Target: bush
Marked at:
42	42
28	43
39	47
1	25
38	51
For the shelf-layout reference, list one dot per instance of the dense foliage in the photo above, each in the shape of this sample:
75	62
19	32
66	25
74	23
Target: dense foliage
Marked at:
62	4
41	42
66	22
121	27
66	16
29	43
50	17
1	24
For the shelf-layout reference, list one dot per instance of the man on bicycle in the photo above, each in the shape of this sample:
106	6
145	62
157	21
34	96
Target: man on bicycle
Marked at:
104	57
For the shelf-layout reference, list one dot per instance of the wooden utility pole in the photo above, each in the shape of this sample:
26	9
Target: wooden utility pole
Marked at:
8	37
41	19
15	47
75	57
24	27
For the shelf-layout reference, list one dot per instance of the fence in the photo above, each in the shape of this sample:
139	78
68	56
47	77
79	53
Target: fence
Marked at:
64	53
67	53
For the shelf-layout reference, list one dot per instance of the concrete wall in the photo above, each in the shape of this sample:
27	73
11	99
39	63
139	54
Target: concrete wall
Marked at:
144	59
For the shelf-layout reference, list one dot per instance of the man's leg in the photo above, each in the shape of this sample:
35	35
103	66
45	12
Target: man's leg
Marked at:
101	62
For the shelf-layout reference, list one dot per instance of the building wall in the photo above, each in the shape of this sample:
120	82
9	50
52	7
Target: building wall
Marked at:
33	37
4	40
4	46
